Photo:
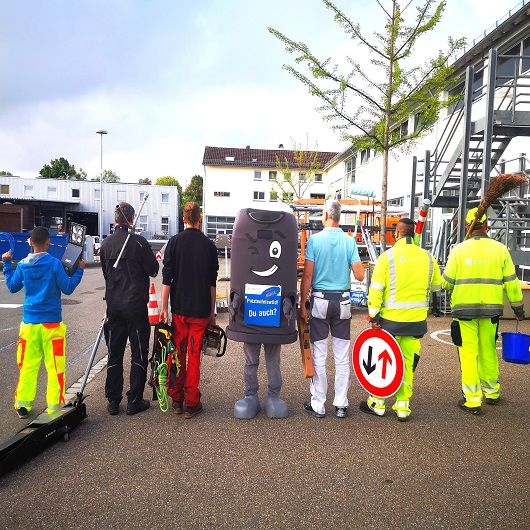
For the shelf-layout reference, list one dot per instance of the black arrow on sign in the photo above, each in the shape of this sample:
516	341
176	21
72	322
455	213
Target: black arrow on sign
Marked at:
369	367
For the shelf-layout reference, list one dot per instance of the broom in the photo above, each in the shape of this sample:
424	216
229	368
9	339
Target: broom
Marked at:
498	187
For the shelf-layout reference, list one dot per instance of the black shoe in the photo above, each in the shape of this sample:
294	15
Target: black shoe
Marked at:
22	413
308	408
477	411
341	412
189	412
364	407
492	401
177	407
113	408
138	406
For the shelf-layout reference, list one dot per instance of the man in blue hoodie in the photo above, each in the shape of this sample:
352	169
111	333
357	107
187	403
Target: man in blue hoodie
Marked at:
41	330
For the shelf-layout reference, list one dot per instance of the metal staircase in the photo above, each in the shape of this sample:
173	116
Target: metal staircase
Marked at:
470	152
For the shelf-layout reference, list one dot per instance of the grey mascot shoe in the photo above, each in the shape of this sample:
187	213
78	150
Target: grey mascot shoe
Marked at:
247	408
275	407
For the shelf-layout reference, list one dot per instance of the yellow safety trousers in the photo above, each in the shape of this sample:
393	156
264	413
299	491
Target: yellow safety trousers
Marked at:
409	346
478	360
35	340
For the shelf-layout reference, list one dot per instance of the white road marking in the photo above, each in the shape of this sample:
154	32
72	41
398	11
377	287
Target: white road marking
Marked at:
10	306
436	336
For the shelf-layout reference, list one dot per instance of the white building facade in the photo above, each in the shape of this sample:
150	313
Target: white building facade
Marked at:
58	201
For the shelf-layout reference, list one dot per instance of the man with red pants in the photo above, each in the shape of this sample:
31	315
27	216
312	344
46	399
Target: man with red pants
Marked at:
189	276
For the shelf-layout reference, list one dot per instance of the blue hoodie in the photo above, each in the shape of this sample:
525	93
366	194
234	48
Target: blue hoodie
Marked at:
43	278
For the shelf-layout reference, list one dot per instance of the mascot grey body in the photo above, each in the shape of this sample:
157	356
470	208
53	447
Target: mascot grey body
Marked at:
263	298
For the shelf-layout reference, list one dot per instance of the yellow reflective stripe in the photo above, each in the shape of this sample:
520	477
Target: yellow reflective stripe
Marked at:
479	281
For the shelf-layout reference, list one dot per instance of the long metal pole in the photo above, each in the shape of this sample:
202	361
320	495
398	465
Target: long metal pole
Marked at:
101	194
101	132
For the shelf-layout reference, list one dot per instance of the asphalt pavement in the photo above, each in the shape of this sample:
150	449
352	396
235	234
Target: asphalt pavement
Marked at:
443	469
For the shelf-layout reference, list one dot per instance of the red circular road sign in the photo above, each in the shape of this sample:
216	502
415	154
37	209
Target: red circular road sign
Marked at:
378	362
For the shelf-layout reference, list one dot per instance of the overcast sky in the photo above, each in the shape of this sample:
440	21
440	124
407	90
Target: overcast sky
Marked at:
168	77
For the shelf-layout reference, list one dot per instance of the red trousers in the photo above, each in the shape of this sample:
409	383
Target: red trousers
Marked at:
187	337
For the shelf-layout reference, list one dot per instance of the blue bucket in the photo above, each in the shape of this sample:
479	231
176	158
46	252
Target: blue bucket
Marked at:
516	347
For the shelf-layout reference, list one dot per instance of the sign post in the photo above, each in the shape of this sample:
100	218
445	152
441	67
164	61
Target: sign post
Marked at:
378	362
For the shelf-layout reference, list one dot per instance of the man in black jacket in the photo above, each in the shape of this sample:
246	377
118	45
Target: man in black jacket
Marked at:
127	295
189	275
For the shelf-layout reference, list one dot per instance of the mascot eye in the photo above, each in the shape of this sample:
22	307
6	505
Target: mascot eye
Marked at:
275	250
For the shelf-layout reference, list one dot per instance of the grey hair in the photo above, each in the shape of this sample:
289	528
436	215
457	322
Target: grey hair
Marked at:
333	208
123	214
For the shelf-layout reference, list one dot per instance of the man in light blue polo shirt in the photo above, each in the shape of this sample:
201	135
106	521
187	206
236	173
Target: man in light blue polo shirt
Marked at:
330	255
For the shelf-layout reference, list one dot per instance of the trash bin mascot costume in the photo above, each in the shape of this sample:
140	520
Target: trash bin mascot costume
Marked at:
263	301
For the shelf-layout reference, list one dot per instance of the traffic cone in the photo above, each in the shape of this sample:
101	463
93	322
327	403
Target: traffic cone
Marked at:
153	312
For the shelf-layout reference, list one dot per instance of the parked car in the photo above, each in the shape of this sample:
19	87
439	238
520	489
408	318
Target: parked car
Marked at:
223	241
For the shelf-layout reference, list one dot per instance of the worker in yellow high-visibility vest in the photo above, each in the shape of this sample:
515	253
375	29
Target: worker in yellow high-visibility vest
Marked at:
478	272
398	302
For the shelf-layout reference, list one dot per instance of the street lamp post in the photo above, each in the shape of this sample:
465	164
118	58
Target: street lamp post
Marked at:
101	132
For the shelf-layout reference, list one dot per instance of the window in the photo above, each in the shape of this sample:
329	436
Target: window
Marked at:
301	177
287	177
97	194
165	197
257	175
318	177
317	196
142	196
221	194
365	156
142	222
395	202
221	225
76	193
273	196
4	189
121	195
272	175
28	191
259	195
52	191
164	225
287	196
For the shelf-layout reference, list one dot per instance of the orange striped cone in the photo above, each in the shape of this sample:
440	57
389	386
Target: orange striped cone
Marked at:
153	311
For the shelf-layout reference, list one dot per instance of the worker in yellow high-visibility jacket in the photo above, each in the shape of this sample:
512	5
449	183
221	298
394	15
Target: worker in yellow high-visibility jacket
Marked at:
398	302
478	272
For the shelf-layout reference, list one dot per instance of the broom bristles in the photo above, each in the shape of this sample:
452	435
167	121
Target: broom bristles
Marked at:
498	187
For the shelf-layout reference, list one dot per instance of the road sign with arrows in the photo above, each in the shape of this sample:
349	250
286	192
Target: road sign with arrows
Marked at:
378	362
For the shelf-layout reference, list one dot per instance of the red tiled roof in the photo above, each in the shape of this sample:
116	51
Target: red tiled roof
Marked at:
262	158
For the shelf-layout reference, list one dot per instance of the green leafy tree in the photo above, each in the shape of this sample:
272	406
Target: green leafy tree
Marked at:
194	190
369	104
60	168
292	182
6	173
167	181
108	176
145	180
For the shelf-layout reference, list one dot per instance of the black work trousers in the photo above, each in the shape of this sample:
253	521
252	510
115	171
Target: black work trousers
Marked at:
123	324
